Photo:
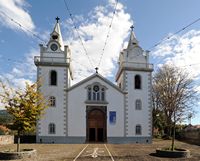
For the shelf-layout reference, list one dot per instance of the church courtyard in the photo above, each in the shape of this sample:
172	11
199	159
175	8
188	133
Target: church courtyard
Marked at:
107	152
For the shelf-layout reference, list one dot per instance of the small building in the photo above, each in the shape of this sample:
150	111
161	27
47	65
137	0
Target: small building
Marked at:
94	109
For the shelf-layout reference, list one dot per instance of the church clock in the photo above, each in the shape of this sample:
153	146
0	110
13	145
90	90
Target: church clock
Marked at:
54	47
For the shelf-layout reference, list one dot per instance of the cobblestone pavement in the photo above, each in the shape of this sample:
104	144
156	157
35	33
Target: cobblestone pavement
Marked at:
105	152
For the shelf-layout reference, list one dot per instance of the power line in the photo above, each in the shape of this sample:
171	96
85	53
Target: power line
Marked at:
22	27
108	33
80	39
168	37
189	65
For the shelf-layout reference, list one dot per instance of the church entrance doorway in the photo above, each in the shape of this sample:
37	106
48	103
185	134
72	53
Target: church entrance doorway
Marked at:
96	124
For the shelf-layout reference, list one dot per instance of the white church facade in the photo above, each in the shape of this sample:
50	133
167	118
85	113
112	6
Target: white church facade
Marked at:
94	109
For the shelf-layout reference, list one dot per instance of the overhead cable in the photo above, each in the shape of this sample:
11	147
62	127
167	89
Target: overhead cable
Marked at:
21	26
80	39
168	37
108	34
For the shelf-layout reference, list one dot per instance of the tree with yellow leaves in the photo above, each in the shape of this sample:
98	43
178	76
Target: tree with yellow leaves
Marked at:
26	106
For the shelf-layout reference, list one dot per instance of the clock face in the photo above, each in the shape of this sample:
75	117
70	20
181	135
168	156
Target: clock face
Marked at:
54	47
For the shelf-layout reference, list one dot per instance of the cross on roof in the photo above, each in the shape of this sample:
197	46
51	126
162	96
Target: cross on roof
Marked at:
132	27
57	19
96	69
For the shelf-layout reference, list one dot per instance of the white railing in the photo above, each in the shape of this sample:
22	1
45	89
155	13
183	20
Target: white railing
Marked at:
136	65
39	59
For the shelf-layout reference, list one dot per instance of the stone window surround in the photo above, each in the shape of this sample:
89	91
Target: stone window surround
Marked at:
52	128
52	101
138	104
138	129
100	93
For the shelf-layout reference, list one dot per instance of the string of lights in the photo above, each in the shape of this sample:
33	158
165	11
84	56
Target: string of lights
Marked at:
21	26
78	34
169	37
108	33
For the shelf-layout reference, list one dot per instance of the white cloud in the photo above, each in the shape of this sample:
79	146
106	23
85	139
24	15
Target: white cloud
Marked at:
15	9
183	51
22	72
93	31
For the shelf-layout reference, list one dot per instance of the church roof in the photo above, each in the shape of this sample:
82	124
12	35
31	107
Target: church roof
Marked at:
92	77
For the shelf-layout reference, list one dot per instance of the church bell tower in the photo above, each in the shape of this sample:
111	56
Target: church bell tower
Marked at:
54	71
134	78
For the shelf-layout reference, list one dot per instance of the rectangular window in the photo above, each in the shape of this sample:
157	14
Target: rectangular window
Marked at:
112	117
138	130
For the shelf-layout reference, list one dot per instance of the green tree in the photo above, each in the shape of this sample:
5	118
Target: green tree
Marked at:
173	94
25	106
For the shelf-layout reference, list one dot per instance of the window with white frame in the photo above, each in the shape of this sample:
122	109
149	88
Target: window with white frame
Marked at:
52	128
96	93
52	101
138	104
138	130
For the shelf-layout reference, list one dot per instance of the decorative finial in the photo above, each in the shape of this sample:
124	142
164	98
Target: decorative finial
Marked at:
57	19
132	27
96	69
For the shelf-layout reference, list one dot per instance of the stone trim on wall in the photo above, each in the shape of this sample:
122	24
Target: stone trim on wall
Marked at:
150	103
65	102
126	104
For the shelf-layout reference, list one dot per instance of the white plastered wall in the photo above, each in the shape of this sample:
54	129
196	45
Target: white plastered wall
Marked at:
53	114
143	116
77	109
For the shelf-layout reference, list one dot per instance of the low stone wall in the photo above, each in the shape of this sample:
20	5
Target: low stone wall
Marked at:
6	139
192	136
25	154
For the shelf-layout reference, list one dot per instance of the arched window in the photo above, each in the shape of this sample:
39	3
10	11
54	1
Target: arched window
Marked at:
102	94
52	128
137	82
53	78
138	130
138	104
52	101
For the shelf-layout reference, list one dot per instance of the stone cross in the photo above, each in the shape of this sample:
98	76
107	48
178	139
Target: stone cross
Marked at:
132	27
57	19
96	69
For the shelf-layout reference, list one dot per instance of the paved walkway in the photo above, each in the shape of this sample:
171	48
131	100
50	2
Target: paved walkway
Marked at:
94	152
105	152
